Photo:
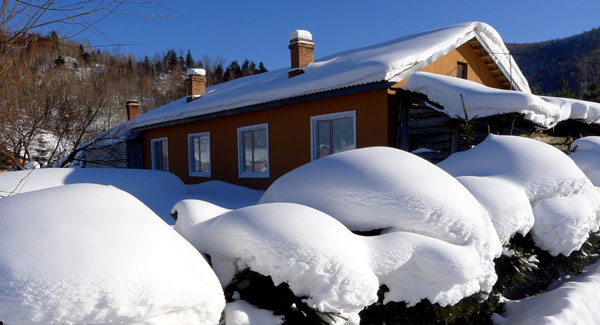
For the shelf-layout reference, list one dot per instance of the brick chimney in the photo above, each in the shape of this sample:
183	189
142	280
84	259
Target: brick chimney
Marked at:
195	84
133	109
301	51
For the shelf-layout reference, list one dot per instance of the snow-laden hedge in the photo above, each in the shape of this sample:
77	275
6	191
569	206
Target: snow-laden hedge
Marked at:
566	206
86	253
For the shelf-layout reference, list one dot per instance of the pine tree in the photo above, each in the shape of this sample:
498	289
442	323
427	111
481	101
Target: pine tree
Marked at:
261	67
189	61
246	68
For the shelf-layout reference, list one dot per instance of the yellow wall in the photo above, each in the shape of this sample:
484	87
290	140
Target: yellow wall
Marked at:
446	65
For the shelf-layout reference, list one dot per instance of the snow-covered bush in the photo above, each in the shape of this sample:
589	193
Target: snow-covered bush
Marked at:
551	180
319	258
88	253
506	203
382	187
586	154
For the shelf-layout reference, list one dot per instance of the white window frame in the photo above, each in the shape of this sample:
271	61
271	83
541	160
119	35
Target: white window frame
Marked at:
191	155
166	140
241	163
332	116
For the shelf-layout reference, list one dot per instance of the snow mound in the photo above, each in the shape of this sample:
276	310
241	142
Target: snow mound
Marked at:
574	302
158	190
415	267
506	203
543	172
223	194
242	313
315	254
382	187
484	101
587	156
89	253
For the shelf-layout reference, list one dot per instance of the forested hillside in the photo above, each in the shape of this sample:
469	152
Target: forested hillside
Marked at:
56	93
568	67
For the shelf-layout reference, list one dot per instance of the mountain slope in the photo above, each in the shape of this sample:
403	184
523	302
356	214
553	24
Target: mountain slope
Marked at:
567	67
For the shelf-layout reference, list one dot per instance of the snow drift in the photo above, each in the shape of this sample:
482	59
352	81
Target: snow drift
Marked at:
158	190
574	302
88	253
550	179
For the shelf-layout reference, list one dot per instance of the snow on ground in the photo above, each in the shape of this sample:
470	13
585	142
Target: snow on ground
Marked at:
550	179
586	154
382	187
483	101
158	190
242	313
576	301
339	271
87	253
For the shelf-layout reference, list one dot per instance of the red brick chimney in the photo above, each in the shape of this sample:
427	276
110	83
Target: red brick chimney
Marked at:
301	51
133	109
195	84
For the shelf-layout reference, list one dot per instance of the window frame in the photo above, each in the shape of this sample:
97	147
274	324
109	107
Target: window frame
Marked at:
464	66
331	116
152	141
191	155
241	173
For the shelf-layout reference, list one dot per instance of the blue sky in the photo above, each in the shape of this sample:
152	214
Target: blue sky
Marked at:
258	30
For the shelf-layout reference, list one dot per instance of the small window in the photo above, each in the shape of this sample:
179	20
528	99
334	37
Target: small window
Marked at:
332	133
199	154
160	154
461	70
253	151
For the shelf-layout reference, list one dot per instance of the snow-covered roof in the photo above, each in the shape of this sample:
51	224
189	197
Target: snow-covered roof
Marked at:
485	101
391	61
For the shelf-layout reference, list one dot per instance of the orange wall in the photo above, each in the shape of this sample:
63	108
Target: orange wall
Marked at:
289	127
289	136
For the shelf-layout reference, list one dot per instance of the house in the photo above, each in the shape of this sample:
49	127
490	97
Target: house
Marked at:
252	130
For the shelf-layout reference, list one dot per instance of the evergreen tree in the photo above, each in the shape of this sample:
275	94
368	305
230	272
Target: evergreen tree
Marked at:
233	71
252	67
246	68
189	61
181	62
261	67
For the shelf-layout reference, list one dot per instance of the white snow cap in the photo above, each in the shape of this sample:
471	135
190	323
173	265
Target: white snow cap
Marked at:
300	34
196	72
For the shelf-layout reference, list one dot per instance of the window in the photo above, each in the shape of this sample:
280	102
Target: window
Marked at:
199	154
332	133
160	154
461	70
253	151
